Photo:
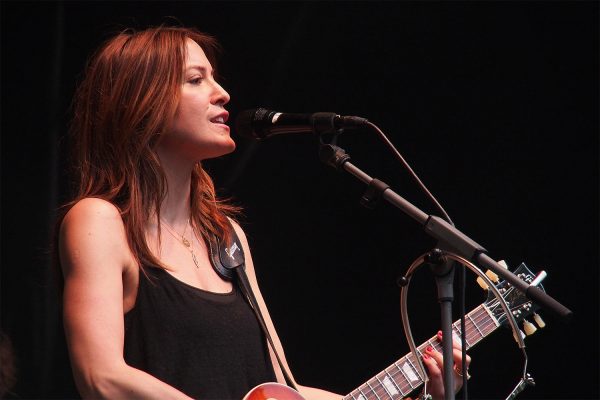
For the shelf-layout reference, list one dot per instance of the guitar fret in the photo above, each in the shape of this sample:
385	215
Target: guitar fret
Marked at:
490	312
457	331
405	377
492	318
475	331
481	323
402	377
383	386
434	345
373	390
361	395
485	327
394	387
470	336
475	324
413	367
399	379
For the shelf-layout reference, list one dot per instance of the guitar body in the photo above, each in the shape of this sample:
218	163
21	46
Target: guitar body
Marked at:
273	391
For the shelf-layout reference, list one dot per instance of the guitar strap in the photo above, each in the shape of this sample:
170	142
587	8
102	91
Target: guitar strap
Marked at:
229	263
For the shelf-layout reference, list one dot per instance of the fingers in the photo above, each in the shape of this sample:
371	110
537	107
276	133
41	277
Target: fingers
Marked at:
458	361
435	356
432	359
457	358
434	362
457	355
456	350
455	340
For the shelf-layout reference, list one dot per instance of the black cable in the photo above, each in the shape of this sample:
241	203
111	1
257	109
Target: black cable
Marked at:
410	170
462	272
463	336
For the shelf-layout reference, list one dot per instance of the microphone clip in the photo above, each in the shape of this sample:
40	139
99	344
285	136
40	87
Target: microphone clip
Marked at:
326	123
333	155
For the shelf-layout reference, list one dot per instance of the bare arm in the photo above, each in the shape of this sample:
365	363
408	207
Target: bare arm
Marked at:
94	257
309	393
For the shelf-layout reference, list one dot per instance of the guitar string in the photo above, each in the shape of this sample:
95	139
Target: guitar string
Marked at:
474	334
481	330
486	326
474	331
476	316
399	381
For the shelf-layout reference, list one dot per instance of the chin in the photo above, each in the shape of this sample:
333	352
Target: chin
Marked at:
231	146
221	150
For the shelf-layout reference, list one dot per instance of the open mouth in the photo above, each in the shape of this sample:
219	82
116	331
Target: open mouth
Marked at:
218	120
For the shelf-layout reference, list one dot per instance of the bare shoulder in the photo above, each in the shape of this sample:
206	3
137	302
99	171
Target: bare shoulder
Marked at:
93	210
239	231
93	228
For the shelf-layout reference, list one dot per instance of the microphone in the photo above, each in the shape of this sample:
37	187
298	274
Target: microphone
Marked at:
261	123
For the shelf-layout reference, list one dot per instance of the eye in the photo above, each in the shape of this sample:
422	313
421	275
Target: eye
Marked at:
196	80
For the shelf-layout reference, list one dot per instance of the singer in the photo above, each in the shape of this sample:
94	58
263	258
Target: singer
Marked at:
146	313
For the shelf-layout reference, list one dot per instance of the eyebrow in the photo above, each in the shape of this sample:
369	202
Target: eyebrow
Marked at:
202	69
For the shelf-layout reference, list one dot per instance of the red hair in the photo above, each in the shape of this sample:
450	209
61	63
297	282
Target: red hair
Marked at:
129	93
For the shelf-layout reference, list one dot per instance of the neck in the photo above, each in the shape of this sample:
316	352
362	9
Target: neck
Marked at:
175	208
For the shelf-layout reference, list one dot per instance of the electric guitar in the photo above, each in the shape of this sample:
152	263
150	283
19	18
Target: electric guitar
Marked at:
402	377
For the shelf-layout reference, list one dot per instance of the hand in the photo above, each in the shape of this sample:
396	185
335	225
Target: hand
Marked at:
434	362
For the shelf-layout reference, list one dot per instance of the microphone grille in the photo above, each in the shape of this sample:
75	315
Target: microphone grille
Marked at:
243	123
252	123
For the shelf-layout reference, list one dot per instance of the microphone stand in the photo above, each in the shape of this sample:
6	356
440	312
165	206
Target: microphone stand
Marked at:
443	271
450	239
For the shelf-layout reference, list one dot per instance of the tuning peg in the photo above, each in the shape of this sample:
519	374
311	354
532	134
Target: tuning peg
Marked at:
493	277
482	283
529	328
538	320
490	274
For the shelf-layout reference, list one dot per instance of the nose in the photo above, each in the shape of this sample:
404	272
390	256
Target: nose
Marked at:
220	97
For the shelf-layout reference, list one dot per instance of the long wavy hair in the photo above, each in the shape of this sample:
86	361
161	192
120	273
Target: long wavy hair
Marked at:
129	92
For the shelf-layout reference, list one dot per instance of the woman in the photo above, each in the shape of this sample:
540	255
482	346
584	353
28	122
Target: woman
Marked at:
145	313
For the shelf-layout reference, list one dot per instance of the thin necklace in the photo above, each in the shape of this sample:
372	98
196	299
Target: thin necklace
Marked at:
186	243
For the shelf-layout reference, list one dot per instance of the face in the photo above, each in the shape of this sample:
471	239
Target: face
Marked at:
199	130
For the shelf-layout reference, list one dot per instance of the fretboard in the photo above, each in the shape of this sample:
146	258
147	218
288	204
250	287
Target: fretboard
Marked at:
403	377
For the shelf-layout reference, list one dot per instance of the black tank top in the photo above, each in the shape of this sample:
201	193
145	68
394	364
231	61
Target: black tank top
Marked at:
208	345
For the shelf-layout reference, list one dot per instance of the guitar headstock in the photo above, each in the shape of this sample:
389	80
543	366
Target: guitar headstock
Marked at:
520	306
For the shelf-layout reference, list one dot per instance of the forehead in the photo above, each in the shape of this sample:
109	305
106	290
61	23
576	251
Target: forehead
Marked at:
195	56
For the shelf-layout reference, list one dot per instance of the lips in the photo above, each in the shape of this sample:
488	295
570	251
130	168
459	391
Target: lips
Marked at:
221	118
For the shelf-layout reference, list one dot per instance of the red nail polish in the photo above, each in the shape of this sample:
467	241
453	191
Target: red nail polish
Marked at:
440	333
425	357
429	349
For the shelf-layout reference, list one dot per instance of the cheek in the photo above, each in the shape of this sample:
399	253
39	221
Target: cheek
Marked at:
190	115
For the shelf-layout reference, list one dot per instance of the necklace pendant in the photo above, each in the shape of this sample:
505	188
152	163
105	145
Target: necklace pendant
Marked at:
185	242
195	260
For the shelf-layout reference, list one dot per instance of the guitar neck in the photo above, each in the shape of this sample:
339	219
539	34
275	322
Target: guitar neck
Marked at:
403	377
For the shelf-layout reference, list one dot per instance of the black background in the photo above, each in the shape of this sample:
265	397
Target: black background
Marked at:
494	105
